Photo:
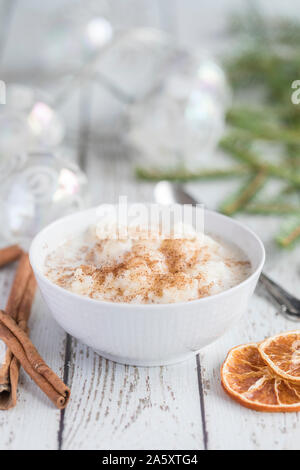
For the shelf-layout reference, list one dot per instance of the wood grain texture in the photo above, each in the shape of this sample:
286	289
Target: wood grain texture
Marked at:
33	423
7	8
243	428
114	406
122	407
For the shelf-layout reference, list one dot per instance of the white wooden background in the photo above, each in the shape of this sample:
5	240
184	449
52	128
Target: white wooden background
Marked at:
115	406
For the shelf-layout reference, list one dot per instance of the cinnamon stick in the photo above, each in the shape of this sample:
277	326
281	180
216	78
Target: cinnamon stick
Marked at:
9	399
10	254
23	349
19	285
9	369
26	303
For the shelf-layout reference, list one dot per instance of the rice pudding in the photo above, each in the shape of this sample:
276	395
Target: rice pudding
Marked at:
145	269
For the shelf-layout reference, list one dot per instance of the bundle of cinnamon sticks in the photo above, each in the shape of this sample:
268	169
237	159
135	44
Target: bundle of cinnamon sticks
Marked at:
14	333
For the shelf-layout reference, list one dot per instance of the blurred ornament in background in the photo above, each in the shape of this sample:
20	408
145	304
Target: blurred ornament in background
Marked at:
15	134
45	125
177	99
28	122
38	188
213	79
77	34
181	120
136	62
129	63
99	32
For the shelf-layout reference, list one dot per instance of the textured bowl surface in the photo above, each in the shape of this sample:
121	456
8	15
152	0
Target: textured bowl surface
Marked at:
147	335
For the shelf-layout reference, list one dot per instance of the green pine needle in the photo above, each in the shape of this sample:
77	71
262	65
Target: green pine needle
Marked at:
182	174
290	232
271	208
245	194
239	149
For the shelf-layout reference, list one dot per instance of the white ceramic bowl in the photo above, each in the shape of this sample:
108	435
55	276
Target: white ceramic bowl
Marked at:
147	335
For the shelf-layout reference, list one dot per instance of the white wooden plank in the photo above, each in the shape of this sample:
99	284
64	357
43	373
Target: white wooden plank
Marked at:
169	17
6	13
120	407
21	428
115	406
34	422
107	115
243	428
110	163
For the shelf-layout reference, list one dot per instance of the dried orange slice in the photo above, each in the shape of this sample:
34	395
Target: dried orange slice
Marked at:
282	354
247	379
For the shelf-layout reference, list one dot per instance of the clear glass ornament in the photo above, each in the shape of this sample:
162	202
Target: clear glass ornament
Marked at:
28	122
180	121
35	189
136	62
77	34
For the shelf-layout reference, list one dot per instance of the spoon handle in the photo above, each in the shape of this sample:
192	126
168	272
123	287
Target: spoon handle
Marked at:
288	304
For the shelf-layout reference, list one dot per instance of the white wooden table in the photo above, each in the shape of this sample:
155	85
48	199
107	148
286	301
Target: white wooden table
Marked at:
122	407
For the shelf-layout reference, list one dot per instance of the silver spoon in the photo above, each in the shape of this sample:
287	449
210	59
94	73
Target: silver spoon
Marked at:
170	193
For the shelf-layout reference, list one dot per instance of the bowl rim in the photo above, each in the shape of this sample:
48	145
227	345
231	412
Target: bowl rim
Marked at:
37	269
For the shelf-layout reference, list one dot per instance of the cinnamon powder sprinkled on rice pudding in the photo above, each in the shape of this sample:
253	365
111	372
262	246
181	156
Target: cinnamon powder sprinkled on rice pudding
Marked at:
145	270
